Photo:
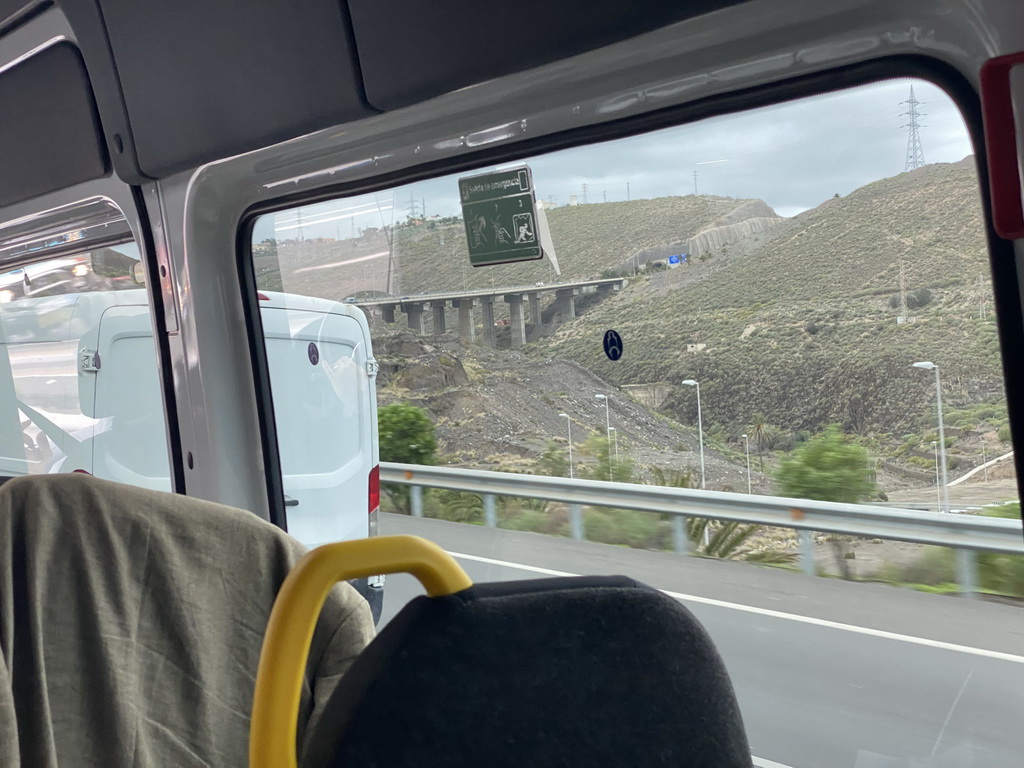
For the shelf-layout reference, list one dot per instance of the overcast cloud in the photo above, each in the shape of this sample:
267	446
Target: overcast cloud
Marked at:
793	156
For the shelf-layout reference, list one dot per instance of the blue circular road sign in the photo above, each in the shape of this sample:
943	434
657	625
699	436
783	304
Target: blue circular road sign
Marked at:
612	345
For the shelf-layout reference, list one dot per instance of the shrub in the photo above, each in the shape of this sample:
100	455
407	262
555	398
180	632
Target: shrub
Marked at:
1003	433
919	298
985	413
640	530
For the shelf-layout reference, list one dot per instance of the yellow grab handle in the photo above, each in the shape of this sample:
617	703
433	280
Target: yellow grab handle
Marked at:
275	709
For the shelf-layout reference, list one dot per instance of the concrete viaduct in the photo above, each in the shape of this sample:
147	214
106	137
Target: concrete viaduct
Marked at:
415	307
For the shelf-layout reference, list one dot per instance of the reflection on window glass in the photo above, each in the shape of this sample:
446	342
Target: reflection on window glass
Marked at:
78	374
774	276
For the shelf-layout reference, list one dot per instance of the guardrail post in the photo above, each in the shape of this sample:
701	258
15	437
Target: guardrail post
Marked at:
967	572
807	552
576	522
490	516
416	494
679	539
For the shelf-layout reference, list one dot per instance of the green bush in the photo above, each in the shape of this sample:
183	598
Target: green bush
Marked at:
641	530
532	515
985	413
1001	573
456	506
936	565
1003	433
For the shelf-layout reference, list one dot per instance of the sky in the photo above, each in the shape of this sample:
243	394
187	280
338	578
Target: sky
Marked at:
793	156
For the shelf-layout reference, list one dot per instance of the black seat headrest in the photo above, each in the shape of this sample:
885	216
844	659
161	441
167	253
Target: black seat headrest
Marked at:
587	671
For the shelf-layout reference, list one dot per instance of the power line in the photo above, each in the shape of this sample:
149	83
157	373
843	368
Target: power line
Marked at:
915	152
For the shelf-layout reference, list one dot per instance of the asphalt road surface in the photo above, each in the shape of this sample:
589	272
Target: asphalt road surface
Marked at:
828	673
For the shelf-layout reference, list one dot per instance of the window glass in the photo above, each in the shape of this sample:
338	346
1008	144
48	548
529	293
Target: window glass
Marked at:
79	388
761	305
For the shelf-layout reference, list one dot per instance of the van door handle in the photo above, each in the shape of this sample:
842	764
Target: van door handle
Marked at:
290	502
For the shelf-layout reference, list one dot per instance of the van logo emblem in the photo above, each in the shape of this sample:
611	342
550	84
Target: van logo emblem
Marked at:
314	353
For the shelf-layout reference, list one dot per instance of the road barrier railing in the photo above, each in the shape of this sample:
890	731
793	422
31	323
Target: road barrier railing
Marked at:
967	534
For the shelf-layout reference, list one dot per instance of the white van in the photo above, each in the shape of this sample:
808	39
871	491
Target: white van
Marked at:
79	370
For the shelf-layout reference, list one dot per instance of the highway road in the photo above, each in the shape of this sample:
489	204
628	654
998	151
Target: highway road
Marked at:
828	673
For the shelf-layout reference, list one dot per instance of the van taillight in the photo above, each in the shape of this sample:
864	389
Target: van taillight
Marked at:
262	297
374	489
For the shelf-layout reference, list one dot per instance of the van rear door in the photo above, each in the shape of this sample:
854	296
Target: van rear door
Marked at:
119	388
321	383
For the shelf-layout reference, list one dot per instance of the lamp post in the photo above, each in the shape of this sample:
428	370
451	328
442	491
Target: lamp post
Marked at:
700	428
615	436
746	442
942	433
938	489
568	425
608	431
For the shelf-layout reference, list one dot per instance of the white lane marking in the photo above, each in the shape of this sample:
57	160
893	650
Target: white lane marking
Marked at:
778	614
761	762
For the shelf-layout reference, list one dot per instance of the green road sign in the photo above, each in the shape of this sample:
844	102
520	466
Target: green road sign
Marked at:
501	223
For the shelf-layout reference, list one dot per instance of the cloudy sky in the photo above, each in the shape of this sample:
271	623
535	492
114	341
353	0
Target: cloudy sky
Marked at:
793	156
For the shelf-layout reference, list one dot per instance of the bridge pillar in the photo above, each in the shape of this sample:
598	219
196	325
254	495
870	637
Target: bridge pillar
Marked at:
467	328
487	310
387	311
516	319
566	303
439	325
534	299
414	311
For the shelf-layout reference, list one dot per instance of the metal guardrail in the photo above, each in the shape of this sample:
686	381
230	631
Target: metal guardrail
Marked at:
967	534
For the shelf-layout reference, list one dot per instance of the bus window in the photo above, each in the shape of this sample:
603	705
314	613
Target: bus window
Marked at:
79	389
757	304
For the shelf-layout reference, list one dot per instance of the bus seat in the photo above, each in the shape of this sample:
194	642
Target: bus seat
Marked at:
565	672
131	623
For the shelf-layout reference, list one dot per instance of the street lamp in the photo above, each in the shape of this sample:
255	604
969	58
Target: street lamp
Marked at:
615	435
942	433
568	424
938	488
746	441
700	428
608	430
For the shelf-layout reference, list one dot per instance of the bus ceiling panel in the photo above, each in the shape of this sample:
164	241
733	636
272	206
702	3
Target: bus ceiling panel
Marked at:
14	13
410	52
50	137
200	81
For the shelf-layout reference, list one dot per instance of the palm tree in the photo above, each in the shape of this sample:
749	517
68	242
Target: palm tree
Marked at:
763	435
726	539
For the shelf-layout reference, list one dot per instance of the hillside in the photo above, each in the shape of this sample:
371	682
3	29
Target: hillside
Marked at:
497	409
797	320
793	322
